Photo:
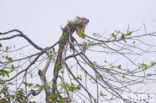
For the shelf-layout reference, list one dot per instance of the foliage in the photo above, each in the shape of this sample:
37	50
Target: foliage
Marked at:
98	69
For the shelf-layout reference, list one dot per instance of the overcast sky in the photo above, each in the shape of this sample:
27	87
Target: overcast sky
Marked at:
41	19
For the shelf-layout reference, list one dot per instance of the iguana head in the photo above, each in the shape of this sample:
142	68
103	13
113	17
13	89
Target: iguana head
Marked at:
80	24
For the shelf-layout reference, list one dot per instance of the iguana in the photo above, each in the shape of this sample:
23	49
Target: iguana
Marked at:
78	25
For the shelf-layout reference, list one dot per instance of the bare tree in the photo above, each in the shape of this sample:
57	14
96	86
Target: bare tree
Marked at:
96	69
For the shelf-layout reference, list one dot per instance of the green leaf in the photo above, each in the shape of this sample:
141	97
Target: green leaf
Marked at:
1	45
56	98
107	70
125	41
25	83
53	49
95	100
54	85
122	36
4	72
119	66
101	94
78	78
30	84
129	33
12	67
82	35
7	74
7	48
8	58
93	64
63	85
117	31
145	66
113	35
96	34
1	62
38	86
58	65
105	61
149	74
153	63
72	87
123	76
12	96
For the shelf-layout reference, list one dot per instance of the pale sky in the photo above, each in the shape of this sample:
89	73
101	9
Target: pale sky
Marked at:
41	20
